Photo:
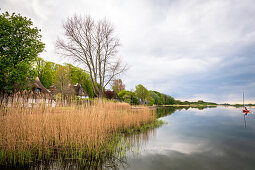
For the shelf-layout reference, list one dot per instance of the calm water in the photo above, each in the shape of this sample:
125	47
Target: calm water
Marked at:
212	138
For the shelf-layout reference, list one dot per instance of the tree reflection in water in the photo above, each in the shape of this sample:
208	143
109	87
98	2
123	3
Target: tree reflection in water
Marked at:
128	146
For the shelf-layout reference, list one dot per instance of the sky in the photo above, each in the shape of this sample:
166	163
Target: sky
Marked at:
192	50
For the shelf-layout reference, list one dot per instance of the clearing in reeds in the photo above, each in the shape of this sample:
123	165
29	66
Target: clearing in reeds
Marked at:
87	134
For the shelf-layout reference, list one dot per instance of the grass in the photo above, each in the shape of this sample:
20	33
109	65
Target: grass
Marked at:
83	134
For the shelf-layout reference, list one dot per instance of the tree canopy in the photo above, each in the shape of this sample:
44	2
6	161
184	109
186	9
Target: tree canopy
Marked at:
62	80
80	76
142	93
45	70
129	97
20	44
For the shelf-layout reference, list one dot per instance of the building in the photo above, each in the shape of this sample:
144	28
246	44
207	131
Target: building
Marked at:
79	91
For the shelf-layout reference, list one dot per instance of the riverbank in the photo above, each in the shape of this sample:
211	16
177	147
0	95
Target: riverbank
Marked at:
87	134
174	105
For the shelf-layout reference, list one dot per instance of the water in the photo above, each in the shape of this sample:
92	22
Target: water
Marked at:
196	138
211	138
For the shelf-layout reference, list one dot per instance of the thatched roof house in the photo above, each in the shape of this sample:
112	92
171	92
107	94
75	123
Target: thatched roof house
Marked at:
37	87
72	90
79	91
53	90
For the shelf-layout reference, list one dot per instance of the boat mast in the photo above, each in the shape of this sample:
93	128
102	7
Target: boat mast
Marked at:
243	99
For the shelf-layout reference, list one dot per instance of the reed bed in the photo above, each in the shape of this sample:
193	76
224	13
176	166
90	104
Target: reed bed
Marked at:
87	133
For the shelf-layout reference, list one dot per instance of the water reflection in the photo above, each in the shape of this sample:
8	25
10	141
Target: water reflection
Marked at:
168	110
194	138
244	115
217	138
131	145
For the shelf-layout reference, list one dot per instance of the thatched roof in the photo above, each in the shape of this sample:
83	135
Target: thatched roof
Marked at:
53	90
38	85
79	91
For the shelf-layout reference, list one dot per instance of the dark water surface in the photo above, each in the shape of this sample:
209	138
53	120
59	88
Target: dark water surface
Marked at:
212	138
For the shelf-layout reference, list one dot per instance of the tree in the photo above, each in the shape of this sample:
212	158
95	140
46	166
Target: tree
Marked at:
78	75
155	97
125	95
161	98
129	97
118	85
45	70
109	94
95	46
168	99
151	101
142	93
20	44
62	81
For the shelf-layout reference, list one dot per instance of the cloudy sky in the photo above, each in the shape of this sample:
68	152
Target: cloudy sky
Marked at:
195	49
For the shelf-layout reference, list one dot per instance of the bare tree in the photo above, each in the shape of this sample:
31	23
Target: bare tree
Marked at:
62	81
94	45
118	85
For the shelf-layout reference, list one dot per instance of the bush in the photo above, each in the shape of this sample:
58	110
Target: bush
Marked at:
110	94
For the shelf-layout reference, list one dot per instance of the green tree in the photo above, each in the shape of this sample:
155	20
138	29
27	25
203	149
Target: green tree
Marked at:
168	99
45	70
151	101
134	99
62	80
142	93
178	102
80	76
125	95
20	43
156	98
161	98
129	97
200	102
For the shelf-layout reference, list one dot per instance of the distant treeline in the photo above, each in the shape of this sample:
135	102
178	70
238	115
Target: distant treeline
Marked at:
141	95
237	105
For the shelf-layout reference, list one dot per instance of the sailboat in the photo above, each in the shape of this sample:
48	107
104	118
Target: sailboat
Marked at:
245	110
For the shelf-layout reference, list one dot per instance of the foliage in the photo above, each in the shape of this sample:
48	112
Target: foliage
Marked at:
45	70
118	85
125	95
80	76
151	101
129	97
157	99
109	94
20	43
168	100
161	98
178	102
142	93
62	80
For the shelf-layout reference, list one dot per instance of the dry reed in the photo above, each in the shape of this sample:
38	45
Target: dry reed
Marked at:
79	132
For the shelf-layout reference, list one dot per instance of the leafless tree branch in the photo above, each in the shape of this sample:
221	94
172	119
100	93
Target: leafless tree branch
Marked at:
95	46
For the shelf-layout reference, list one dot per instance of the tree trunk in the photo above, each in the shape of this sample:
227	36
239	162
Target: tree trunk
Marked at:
100	97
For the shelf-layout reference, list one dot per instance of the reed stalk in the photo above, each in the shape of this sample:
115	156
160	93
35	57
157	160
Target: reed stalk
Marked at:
87	133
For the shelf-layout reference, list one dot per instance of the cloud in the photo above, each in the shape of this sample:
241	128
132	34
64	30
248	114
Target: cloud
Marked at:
187	49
